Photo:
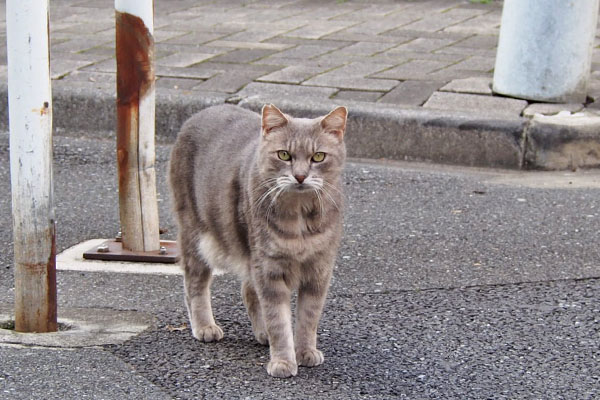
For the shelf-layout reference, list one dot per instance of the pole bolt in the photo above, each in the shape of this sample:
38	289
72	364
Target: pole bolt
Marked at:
119	237
103	248
162	251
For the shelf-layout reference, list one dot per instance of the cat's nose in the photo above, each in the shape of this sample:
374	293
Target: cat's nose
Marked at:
300	178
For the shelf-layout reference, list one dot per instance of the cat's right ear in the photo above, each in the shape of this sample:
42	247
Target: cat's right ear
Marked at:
272	118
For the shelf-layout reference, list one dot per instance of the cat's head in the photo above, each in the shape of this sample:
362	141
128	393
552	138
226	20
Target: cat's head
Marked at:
299	154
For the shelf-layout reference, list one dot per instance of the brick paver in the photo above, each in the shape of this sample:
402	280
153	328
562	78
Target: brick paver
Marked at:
432	53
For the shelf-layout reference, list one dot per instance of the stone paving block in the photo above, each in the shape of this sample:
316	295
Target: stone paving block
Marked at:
318	29
87	27
354	76
488	24
77	45
364	49
243	56
294	74
480	42
413	55
415	69
424	45
381	25
61	67
469	85
447	75
228	82
176	83
195	38
403	32
93	77
182	59
411	93
466	51
437	22
476	105
102	66
475	63
284	91
162	35
302	52
358	95
361	37
249	45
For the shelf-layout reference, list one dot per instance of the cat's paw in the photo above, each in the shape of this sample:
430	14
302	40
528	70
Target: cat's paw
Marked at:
209	333
282	368
309	357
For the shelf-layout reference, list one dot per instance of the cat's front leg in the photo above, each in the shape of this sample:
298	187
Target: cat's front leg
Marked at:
274	297
311	298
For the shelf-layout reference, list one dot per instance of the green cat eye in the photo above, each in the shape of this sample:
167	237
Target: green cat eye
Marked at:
318	157
284	155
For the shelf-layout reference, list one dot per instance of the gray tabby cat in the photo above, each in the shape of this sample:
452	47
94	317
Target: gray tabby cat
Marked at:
266	205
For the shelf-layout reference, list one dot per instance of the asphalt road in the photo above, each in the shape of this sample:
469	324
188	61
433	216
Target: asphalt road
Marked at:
451	283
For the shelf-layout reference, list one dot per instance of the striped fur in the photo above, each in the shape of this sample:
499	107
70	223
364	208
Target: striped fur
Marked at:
275	223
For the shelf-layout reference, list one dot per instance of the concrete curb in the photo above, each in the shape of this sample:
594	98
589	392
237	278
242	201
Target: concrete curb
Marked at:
374	130
86	327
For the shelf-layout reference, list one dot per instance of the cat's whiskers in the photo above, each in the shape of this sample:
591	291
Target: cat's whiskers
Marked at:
268	193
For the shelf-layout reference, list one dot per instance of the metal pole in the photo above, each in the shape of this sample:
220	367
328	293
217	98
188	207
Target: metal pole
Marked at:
30	115
135	125
545	49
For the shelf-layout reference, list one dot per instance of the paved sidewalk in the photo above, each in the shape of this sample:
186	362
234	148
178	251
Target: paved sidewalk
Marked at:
416	75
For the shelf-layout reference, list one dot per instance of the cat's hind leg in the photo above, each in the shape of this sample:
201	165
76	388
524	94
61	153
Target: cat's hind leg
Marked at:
197	278
252	304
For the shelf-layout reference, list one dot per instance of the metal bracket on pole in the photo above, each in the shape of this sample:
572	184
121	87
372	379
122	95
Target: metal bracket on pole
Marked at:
112	250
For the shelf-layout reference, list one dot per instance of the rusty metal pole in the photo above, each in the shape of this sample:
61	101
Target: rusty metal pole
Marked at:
135	125
30	124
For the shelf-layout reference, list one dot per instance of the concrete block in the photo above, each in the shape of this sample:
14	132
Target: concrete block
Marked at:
357	95
243	56
488	106
416	69
425	44
563	141
469	85
549	109
293	74
271	90
183	59
412	93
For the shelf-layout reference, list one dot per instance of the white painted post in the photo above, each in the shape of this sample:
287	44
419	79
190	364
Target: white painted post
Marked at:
545	49
135	125
30	121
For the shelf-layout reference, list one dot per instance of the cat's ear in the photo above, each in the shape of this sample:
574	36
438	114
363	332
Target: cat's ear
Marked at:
272	118
335	122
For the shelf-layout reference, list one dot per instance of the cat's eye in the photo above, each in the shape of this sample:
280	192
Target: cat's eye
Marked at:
284	155
318	157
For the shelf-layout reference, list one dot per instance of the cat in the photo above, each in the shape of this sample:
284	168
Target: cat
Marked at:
261	196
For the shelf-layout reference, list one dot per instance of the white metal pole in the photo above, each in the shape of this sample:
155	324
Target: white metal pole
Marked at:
545	49
30	122
135	125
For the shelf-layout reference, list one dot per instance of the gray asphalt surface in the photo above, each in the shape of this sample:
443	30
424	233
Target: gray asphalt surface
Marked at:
450	284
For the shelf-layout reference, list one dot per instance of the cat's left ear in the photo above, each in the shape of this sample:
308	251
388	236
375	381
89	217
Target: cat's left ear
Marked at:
335	122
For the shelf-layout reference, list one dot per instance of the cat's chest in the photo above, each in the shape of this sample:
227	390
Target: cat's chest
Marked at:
299	237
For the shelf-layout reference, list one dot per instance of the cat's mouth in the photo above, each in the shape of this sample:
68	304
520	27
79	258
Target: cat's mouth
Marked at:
302	187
